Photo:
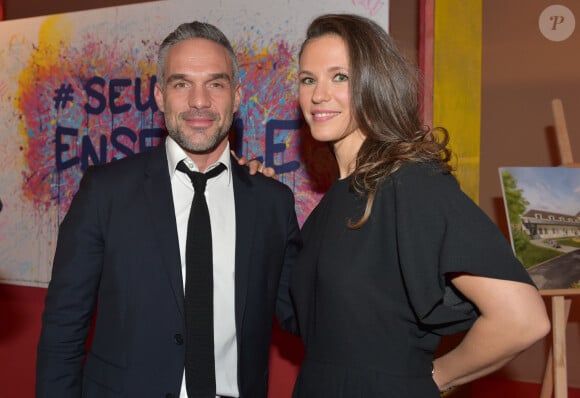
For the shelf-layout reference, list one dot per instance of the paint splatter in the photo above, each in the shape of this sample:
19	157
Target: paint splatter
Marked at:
373	7
271	92
89	103
68	88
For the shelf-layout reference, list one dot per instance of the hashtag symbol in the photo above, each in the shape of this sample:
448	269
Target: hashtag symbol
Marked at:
63	95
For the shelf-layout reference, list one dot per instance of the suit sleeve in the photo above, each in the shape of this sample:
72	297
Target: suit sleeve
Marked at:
284	308
71	296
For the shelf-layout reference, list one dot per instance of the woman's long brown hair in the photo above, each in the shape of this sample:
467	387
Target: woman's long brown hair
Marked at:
384	99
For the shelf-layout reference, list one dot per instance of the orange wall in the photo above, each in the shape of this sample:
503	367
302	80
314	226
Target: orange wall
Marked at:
522	73
20	309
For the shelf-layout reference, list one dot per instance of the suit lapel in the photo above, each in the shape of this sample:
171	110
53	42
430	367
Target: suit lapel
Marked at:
159	198
245	224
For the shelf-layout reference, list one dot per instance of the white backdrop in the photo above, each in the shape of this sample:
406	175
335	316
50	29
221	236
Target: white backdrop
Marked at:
76	88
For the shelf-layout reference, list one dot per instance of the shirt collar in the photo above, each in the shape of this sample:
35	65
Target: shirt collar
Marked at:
176	154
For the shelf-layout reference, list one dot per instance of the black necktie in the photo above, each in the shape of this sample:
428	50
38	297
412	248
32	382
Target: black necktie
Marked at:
199	346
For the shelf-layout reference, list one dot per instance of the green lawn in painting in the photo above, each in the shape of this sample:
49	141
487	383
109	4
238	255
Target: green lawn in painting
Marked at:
532	255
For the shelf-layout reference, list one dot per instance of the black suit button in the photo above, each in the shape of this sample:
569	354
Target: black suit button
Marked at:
169	395
178	339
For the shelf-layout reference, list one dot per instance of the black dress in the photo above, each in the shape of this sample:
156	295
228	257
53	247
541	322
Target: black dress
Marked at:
372	303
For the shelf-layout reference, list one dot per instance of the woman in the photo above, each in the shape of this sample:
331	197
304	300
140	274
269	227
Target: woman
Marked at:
395	255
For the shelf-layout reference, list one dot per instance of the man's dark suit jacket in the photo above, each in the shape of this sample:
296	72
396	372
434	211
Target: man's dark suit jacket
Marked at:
118	255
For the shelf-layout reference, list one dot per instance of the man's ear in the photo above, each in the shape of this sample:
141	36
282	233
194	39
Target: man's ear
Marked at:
237	97
158	92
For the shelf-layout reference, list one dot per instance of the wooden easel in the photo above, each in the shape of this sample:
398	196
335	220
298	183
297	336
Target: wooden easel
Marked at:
555	376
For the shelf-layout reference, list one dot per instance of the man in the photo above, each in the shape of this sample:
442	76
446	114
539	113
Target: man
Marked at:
122	249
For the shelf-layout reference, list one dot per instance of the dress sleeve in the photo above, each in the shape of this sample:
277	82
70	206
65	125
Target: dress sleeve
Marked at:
440	230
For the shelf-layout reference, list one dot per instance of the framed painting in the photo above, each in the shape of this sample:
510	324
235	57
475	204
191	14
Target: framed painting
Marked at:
543	211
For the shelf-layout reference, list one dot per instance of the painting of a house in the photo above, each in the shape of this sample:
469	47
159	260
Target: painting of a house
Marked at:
541	224
543	210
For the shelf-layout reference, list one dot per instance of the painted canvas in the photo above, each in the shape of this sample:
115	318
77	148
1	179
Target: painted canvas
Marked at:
543	209
77	89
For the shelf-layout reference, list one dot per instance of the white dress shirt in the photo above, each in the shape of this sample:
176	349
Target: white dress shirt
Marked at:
219	193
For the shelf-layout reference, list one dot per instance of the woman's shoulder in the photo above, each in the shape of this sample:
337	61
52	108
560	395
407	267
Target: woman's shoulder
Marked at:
422	176
421	170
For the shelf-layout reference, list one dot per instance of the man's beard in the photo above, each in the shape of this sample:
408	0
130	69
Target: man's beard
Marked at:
209	146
